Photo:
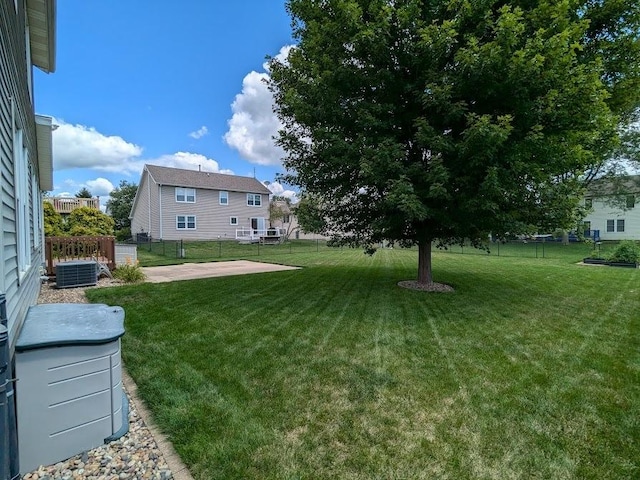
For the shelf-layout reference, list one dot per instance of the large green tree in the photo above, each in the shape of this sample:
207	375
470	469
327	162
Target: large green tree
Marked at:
424	121
119	207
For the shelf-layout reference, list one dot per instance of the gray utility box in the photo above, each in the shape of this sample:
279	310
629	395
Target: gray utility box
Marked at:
69	390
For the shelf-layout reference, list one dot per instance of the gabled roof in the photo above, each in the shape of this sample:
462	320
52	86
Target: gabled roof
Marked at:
179	177
618	185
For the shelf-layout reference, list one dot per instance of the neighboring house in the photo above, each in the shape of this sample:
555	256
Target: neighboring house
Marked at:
178	204
27	38
287	223
65	205
614	209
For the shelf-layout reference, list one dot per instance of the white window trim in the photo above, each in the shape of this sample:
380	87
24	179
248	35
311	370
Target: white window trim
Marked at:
251	199
21	158
606	225
224	197
624	225
231	220
184	192
186	222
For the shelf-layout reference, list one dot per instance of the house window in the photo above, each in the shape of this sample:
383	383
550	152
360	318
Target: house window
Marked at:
620	225
224	198
185	195
610	226
631	201
254	200
286	219
186	222
588	202
21	179
233	220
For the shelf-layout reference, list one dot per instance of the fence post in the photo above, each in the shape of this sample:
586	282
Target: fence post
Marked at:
49	255
111	245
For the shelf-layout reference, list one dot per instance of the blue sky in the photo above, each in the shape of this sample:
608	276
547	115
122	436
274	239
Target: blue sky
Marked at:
163	82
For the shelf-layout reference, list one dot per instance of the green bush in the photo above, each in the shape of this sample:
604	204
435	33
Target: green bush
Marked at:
627	251
129	273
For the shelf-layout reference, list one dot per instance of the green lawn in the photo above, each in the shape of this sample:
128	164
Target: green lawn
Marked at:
169	251
530	370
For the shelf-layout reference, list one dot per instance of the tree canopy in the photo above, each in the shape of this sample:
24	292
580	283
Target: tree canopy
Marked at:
422	121
119	207
84	193
89	221
53	222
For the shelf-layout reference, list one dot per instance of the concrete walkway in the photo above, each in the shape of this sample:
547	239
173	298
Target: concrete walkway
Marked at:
192	271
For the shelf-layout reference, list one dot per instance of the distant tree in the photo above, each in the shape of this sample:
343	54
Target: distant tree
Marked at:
441	122
53	222
119	207
84	193
89	221
280	209
310	215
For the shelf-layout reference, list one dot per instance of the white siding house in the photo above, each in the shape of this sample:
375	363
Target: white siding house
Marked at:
178	204
27	39
27	31
614	209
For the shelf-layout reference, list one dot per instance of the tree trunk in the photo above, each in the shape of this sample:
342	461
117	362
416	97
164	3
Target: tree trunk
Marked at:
424	263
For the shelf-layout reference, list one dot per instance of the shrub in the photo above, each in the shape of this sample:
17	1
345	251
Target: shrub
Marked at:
129	272
627	251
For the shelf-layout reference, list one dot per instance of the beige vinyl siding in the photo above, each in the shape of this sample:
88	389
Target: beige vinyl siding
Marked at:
212	219
14	88
145	217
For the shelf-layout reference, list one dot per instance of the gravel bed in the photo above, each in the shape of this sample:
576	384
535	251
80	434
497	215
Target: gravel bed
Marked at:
134	456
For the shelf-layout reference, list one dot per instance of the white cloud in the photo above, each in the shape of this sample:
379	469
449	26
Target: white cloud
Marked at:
189	161
201	132
78	146
253	126
277	189
100	187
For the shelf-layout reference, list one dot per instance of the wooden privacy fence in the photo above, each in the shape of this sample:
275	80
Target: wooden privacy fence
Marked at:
64	249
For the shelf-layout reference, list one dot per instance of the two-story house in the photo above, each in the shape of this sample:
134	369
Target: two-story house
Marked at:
179	204
614	208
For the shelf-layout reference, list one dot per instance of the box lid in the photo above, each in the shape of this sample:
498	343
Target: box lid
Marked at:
63	324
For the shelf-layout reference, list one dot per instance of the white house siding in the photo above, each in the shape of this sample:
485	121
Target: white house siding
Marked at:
212	219
16	109
602	212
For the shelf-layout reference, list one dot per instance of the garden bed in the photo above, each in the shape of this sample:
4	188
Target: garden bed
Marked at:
602	261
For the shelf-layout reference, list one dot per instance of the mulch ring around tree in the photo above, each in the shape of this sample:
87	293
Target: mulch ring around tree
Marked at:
431	287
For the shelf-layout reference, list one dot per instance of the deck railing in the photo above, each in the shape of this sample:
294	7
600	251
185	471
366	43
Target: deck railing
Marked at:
64	205
63	249
255	235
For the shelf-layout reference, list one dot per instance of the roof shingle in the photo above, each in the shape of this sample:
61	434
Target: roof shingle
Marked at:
179	177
